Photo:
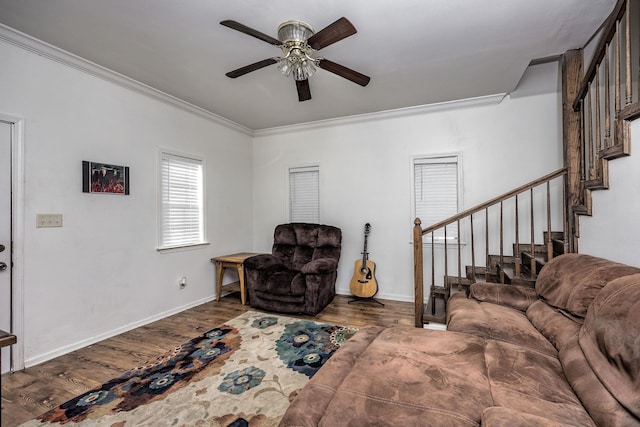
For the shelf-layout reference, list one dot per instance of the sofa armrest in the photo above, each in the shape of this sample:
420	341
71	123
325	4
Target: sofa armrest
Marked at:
262	262
320	266
514	296
497	416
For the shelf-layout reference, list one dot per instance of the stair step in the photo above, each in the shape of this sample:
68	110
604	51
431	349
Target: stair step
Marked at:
558	246
480	272
510	277
596	184
494	260
454	281
555	235
580	210
440	315
539	248
540	259
439	290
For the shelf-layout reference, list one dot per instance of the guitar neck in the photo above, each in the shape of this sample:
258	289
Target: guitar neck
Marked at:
364	252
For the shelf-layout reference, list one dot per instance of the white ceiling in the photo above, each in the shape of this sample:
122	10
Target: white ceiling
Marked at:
416	52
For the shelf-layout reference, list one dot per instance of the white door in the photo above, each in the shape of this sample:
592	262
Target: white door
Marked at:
5	236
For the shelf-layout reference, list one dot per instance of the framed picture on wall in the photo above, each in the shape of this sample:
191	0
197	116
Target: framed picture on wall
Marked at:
104	178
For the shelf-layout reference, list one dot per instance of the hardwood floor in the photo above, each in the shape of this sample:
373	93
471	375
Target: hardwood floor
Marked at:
33	391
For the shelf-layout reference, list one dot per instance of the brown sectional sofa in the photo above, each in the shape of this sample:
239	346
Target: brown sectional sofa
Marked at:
566	353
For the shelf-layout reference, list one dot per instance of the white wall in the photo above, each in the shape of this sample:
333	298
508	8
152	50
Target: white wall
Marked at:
100	273
366	175
613	232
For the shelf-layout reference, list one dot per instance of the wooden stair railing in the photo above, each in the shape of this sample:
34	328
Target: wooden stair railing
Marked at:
599	106
469	252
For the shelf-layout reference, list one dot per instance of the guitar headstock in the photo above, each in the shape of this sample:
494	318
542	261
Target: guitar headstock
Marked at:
367	229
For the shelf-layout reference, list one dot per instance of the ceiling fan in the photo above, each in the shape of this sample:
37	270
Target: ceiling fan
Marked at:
298	42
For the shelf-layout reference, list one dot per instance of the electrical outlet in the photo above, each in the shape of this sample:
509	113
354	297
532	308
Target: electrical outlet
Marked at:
48	220
183	282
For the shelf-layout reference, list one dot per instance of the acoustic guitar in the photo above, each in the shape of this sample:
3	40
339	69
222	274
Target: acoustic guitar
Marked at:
363	283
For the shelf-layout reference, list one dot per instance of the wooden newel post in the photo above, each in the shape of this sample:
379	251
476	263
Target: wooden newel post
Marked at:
572	74
417	273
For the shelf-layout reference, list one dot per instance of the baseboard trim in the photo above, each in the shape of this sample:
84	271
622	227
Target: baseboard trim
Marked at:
380	295
32	361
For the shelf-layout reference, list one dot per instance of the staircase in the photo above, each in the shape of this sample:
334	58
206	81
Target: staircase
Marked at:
483	231
598	105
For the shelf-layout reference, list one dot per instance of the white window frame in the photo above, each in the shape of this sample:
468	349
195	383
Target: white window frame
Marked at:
452	236
163	244
309	217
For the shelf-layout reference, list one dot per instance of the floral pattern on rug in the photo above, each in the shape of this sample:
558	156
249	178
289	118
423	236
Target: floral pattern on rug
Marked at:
305	346
243	373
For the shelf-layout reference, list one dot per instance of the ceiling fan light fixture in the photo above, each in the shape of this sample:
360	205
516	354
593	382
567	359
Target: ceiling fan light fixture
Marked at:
298	55
308	67
285	66
302	67
294	31
303	70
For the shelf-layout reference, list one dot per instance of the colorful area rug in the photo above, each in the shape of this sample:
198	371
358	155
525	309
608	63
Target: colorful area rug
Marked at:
242	373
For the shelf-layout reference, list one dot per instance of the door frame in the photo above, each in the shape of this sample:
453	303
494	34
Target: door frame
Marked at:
17	237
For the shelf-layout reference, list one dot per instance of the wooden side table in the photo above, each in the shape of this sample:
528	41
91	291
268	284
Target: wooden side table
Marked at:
231	261
5	340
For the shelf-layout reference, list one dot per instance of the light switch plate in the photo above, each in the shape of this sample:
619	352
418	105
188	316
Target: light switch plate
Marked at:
48	220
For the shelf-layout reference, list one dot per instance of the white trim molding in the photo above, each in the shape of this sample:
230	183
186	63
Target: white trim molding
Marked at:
17	230
46	50
388	114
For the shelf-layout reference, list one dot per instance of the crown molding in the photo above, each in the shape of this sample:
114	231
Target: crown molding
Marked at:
387	114
53	53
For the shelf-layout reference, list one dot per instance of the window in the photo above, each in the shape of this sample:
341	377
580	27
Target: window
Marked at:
181	201
304	194
436	191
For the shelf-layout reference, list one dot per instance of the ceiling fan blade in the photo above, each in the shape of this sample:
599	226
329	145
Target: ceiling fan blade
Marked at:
304	92
345	72
250	31
251	67
332	33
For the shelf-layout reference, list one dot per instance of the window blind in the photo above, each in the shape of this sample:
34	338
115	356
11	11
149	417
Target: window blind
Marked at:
181	218
304	194
436	192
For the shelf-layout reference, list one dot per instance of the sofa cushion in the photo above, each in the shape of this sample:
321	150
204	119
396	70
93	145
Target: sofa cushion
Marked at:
306	234
557	327
302	255
297	244
601	405
280	283
329	236
310	404
498	416
320	266
294	244
532	382
571	281
406	376
285	234
610	340
495	321
518	297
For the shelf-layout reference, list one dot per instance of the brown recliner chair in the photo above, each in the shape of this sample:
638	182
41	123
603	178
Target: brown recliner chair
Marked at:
299	276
